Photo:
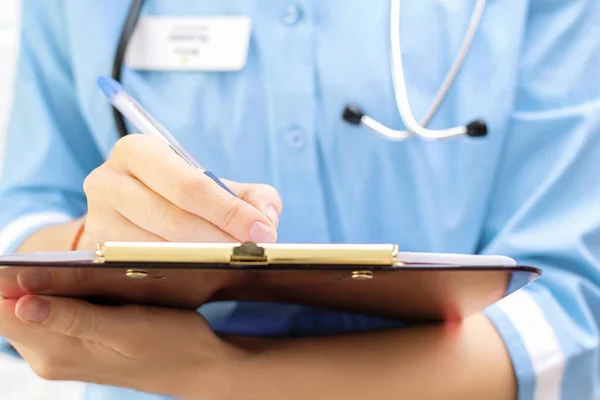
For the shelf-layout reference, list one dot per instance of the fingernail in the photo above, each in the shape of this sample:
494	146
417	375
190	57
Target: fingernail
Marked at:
273	215
33	310
262	233
35	280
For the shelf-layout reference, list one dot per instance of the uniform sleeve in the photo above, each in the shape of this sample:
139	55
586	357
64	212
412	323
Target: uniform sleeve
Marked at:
545	209
49	150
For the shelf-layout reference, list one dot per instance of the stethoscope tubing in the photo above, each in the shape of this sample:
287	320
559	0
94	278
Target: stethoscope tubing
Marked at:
352	113
477	128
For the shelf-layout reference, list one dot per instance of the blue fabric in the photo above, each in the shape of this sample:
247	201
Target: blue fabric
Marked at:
518	353
530	190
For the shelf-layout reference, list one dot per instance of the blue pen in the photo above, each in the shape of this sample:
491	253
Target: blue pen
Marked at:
139	117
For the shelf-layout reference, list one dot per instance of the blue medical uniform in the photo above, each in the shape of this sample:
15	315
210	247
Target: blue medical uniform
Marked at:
530	190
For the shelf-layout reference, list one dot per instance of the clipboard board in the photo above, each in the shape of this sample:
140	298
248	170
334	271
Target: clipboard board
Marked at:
368	279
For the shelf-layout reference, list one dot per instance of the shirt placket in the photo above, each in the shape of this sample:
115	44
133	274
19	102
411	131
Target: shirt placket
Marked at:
293	112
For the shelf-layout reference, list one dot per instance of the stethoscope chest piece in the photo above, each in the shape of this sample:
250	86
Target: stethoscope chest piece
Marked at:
353	114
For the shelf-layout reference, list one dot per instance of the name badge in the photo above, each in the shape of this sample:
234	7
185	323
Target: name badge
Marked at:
190	44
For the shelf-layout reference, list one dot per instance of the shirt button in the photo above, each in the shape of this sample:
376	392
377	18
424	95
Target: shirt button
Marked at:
295	138
291	15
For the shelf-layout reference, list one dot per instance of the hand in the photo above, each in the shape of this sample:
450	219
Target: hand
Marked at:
187	289
151	350
146	192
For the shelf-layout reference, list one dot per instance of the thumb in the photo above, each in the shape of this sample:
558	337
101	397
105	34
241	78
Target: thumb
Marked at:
70	317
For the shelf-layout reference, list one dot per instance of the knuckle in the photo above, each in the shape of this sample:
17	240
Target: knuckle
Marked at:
231	212
167	216
264	189
267	188
272	193
185	188
93	182
47	369
77	324
126	145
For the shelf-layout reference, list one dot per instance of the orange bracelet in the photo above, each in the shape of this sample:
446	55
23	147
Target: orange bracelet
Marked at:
77	237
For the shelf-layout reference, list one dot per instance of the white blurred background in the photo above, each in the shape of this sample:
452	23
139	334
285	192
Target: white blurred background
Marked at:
17	382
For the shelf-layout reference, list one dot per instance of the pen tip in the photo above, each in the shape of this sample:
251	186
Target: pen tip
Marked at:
109	86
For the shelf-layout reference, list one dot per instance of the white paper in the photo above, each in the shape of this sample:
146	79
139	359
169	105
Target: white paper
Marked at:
455	259
50	257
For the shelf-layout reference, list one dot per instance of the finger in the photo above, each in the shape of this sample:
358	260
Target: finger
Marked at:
153	213
264	197
159	168
69	317
49	354
87	282
187	289
11	328
8	282
110	325
22	334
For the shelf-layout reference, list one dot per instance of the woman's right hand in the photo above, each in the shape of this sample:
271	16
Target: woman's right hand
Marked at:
146	192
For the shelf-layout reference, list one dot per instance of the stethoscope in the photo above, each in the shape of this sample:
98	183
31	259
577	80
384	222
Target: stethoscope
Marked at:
353	113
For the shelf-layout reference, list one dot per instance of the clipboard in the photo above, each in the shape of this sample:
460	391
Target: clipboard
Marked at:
367	279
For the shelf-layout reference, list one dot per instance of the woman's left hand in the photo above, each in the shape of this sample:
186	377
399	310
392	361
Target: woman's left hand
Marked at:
151	350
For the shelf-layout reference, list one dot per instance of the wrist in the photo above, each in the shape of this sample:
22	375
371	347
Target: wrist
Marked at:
254	375
224	379
51	238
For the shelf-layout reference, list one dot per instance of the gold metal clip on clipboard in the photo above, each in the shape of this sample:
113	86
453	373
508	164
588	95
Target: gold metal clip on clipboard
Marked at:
248	255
